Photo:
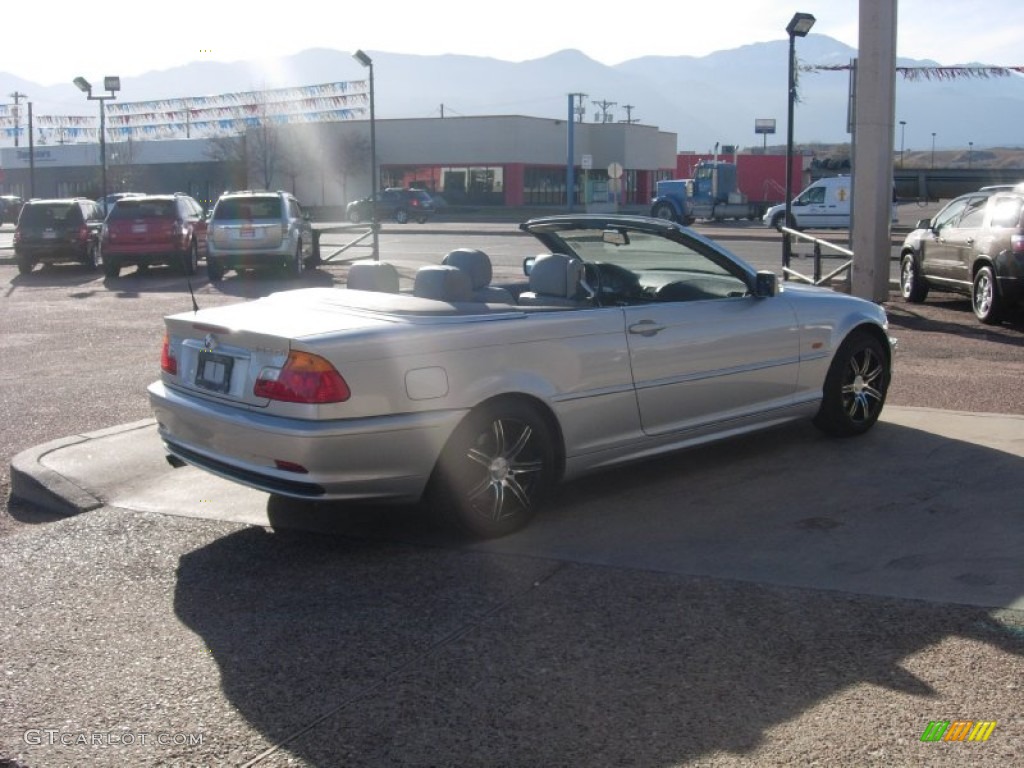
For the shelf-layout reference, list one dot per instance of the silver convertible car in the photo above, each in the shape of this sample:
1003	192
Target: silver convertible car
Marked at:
627	337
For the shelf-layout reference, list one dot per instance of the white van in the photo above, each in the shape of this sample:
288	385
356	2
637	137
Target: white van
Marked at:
823	205
826	204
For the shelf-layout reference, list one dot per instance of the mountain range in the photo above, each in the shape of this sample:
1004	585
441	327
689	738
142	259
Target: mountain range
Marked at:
704	100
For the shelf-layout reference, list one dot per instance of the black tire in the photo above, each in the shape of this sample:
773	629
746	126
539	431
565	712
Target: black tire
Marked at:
778	218
190	260
214	269
402	216
495	470
354	217
985	299
24	266
296	262
912	285
92	257
111	268
855	388
421	219
663	211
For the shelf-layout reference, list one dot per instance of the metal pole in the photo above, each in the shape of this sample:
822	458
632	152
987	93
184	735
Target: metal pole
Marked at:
103	150
31	156
903	133
373	171
786	247
570	168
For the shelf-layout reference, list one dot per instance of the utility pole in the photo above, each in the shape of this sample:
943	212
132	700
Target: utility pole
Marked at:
17	115
605	105
580	109
629	114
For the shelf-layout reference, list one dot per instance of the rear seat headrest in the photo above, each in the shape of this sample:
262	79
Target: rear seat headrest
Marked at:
443	283
473	261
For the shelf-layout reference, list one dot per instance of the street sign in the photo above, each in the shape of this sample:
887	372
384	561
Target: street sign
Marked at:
587	162
615	171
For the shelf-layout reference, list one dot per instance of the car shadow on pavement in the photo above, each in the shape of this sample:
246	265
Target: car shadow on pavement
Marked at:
254	284
559	646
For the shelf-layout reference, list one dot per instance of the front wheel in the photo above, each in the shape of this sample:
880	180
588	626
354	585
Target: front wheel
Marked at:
354	217
664	211
985	299
495	470
912	285
402	216
855	387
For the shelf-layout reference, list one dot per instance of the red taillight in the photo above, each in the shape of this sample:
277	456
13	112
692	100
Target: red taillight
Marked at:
1017	243
415	203
83	233
168	362
305	378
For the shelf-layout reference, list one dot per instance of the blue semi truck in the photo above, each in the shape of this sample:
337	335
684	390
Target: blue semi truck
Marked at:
712	194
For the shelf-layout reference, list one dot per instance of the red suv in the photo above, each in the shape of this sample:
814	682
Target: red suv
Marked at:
153	229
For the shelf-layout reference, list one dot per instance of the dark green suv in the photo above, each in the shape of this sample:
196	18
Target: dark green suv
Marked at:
973	246
60	230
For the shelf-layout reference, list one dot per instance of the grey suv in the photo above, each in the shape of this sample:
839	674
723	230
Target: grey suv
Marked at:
973	246
58	230
251	229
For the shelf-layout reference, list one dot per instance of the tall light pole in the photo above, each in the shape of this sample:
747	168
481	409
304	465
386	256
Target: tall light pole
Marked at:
798	26
367	62
970	153
933	149
903	133
111	85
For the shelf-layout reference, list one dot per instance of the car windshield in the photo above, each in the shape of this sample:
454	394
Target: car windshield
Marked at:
248	208
52	214
131	208
640	251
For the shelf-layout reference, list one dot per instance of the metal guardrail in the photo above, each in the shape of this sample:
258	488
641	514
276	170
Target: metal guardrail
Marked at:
364	231
817	279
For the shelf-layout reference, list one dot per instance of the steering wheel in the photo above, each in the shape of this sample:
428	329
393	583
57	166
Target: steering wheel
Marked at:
612	283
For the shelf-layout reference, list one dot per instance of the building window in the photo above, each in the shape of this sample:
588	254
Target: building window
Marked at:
544	186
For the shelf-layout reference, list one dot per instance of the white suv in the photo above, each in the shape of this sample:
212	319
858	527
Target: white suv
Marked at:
251	229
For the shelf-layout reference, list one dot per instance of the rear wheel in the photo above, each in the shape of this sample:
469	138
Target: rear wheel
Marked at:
111	267
855	387
295	264
214	269
912	285
985	299
190	260
92	257
24	266
495	470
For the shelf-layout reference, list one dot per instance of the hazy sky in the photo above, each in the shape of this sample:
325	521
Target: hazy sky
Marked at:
53	41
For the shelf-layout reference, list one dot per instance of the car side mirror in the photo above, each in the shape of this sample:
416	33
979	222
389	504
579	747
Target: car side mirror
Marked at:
528	263
766	284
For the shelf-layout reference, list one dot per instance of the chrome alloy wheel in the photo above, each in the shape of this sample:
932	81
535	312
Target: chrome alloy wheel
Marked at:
509	466
862	390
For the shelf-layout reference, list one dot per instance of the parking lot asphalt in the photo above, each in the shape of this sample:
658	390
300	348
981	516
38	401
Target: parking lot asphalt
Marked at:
716	607
787	599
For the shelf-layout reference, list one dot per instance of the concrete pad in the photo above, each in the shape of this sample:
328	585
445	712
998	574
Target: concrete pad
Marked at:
926	506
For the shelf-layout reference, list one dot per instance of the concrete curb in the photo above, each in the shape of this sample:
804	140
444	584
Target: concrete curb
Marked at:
33	482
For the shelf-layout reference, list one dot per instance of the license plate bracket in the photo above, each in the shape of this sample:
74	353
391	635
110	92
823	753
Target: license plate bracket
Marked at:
213	371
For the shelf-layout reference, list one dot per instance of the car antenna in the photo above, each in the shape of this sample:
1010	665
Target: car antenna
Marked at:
195	307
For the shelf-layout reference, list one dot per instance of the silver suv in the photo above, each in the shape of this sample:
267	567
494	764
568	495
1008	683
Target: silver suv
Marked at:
252	229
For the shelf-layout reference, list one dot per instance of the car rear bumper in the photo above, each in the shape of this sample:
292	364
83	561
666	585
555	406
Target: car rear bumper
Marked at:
380	458
142	254
51	253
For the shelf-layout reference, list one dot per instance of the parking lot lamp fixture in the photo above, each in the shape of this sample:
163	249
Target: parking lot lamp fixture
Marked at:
798	26
112	85
367	62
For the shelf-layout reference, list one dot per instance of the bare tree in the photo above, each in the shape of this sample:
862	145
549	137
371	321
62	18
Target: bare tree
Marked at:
354	158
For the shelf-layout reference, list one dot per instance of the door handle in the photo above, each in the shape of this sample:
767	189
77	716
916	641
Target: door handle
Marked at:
970	241
646	328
